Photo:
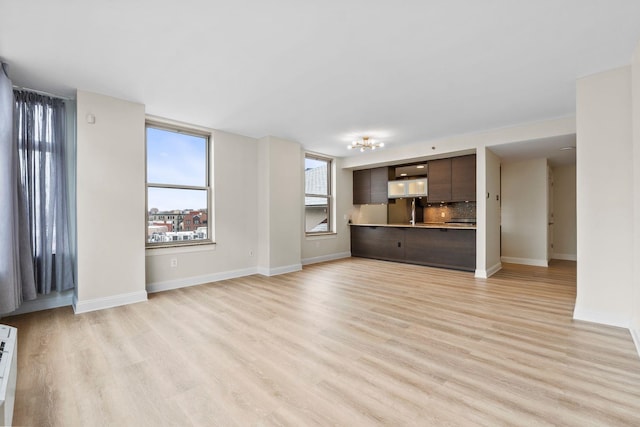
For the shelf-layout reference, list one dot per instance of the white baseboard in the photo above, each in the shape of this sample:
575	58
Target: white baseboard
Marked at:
108	302
611	319
279	270
480	274
566	257
525	261
324	258
635	334
485	274
44	302
199	280
216	277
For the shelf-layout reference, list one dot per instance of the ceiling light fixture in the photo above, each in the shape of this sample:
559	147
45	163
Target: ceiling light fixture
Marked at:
365	144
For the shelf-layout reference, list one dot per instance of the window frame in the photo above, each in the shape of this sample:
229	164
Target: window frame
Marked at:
328	196
207	187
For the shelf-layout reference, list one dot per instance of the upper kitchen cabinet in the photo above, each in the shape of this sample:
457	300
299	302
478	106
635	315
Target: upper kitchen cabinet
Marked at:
463	178
362	187
417	170
407	188
452	180
379	179
370	186
439	180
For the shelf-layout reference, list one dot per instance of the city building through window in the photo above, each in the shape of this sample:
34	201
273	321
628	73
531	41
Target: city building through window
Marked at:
178	190
317	200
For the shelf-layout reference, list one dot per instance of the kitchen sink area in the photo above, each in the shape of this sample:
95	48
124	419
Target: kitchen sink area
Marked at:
426	217
422	225
411	231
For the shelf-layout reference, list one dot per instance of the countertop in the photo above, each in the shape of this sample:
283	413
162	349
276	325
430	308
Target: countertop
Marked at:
422	225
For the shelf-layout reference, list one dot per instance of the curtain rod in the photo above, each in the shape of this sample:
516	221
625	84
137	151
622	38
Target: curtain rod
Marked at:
41	92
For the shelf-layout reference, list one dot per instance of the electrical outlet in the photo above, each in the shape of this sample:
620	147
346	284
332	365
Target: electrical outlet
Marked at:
442	214
173	262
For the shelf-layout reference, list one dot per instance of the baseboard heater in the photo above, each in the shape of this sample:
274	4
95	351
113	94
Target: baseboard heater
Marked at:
8	372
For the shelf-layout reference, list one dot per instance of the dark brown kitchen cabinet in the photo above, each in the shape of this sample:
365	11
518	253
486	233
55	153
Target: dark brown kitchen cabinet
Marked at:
452	180
362	187
439	180
370	186
435	247
441	247
463	178
386	243
379	184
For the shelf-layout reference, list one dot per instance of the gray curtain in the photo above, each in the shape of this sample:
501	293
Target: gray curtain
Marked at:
16	268
41	140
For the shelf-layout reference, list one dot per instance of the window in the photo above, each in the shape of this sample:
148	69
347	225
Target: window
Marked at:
177	186
317	197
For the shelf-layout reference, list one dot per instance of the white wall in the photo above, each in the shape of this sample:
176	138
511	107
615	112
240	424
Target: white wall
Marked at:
114	267
524	212
263	206
635	323
281	230
338	245
604	191
492	208
110	202
235	222
458	144
564	207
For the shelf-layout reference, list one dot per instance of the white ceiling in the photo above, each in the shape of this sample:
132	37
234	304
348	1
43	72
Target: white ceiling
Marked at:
323	73
560	151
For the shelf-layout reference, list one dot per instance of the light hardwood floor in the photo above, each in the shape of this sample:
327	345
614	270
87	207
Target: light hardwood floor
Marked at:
351	342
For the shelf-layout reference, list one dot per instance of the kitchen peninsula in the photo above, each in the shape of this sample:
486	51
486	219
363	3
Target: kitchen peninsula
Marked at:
434	226
437	245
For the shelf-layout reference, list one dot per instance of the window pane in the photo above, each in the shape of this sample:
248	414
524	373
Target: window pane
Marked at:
176	158
315	176
176	215
315	214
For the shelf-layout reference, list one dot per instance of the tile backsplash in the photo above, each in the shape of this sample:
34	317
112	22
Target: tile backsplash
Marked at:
434	212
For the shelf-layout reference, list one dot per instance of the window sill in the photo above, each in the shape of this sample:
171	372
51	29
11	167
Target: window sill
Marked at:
319	236
179	249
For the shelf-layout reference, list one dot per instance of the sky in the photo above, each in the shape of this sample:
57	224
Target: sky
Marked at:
179	159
